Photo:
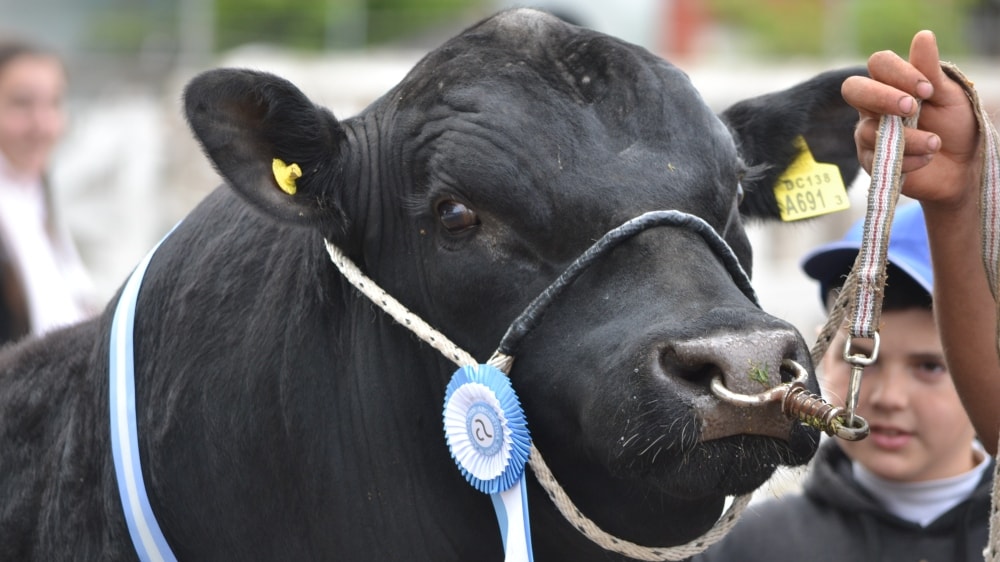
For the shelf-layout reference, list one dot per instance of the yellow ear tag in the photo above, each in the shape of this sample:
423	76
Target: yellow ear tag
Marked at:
809	188
286	174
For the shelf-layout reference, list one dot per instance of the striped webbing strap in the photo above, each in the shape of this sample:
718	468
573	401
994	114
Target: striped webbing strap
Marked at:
869	268
862	291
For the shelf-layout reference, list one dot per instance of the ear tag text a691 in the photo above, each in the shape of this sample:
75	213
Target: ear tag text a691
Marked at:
809	188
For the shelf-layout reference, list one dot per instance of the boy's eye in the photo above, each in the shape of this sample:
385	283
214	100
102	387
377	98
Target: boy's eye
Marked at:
931	369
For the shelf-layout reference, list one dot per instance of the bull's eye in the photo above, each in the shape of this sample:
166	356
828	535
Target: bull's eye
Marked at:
455	216
739	193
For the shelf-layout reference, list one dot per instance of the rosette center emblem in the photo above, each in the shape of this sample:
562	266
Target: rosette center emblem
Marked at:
485	428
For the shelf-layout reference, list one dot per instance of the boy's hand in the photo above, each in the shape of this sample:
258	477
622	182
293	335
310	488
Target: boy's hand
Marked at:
942	159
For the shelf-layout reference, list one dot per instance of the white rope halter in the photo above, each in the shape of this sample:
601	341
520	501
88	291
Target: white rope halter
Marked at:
502	361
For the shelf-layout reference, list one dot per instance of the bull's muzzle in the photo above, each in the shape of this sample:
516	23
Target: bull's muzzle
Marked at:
758	388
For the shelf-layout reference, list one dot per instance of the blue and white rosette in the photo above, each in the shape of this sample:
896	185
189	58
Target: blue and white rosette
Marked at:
488	437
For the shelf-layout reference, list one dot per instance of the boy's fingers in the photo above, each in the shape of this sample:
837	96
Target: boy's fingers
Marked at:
917	142
891	70
872	98
910	163
945	92
920	146
924	57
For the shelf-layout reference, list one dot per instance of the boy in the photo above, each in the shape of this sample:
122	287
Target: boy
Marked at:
918	487
944	167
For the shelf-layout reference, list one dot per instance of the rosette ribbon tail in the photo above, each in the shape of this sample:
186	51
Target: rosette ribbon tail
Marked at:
511	506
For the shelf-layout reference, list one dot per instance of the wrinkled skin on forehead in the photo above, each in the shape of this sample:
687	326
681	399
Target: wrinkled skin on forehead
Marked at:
600	132
283	416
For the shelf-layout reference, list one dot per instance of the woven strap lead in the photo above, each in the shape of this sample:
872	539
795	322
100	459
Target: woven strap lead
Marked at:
882	196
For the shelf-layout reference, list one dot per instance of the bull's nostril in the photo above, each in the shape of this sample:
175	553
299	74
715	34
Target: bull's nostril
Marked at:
787	374
676	361
747	363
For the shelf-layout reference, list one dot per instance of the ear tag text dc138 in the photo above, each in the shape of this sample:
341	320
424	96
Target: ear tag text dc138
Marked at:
809	188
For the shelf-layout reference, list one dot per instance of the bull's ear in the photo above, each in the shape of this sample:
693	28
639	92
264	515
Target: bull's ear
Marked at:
274	146
766	128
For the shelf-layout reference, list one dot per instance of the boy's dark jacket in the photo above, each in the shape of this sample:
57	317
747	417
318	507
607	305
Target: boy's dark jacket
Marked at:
834	519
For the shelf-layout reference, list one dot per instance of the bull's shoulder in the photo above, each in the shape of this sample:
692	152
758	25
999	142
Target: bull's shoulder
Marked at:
42	380
35	367
51	438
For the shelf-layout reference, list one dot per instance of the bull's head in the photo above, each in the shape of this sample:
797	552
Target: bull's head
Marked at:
499	159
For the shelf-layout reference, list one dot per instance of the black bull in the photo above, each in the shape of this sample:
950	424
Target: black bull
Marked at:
282	416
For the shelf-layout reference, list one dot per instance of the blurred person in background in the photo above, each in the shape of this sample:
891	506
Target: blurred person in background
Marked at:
43	284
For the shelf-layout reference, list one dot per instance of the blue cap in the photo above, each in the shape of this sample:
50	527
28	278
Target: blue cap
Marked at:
909	252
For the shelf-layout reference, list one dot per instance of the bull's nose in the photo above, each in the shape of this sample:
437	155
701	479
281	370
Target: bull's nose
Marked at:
748	363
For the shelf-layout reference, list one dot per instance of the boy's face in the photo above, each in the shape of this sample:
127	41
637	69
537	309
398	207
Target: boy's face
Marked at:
919	430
